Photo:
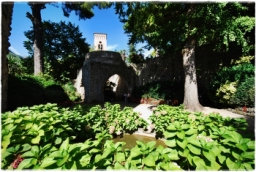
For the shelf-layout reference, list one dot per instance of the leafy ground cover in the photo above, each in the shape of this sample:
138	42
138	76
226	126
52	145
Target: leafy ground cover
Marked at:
52	137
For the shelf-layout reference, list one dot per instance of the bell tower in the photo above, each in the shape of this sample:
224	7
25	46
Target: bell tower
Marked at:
100	42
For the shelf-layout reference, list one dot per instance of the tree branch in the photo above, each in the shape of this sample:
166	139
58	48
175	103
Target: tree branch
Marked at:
30	16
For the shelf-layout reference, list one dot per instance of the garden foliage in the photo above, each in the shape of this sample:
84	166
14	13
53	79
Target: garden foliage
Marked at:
227	80
50	137
204	142
161	90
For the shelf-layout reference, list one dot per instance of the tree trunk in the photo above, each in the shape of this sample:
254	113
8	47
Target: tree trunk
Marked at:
7	8
191	101
38	39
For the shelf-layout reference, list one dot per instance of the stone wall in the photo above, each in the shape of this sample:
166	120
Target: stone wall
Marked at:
98	67
7	8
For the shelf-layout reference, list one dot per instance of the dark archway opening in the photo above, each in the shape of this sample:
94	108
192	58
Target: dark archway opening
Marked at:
115	88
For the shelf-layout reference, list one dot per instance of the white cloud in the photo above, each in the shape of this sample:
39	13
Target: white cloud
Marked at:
14	50
112	47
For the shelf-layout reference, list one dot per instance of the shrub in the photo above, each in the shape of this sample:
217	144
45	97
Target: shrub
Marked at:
229	78
70	90
226	92
245	94
28	90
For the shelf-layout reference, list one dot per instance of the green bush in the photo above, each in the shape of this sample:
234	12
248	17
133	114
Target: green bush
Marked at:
204	142
70	90
238	73
28	90
245	93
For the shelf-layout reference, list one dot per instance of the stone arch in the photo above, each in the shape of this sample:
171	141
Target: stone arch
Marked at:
98	67
122	86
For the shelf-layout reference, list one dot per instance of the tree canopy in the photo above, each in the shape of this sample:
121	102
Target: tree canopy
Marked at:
169	25
64	48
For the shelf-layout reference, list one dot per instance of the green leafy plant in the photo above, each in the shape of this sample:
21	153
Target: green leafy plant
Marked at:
70	90
245	93
239	72
204	142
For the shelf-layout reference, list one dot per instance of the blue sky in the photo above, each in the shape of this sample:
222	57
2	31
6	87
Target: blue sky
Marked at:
104	21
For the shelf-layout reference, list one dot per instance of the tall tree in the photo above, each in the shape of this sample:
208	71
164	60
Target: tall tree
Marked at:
180	27
83	10
64	48
36	20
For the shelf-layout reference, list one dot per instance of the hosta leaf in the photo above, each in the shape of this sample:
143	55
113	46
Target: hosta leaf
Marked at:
173	155
200	164
94	150
169	134
190	159
25	147
216	151
27	154
64	145
119	157
55	154
235	155
35	150
85	160
194	149
58	140
232	165
28	125
73	167
181	134
151	144
97	158
24	164
160	149
169	166
185	126
5	144
248	166
107	151
184	153
149	161
201	127
209	155
118	166
221	158
171	127
182	144
47	162
41	132
135	152
195	142
191	131
243	147
251	145
36	140
170	143
60	162
248	155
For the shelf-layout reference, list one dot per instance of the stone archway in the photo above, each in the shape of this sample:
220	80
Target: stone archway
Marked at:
98	67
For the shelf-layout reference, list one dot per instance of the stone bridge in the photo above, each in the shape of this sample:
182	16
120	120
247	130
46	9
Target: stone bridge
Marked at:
98	67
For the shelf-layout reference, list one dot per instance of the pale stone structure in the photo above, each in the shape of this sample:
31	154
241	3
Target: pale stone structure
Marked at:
100	42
